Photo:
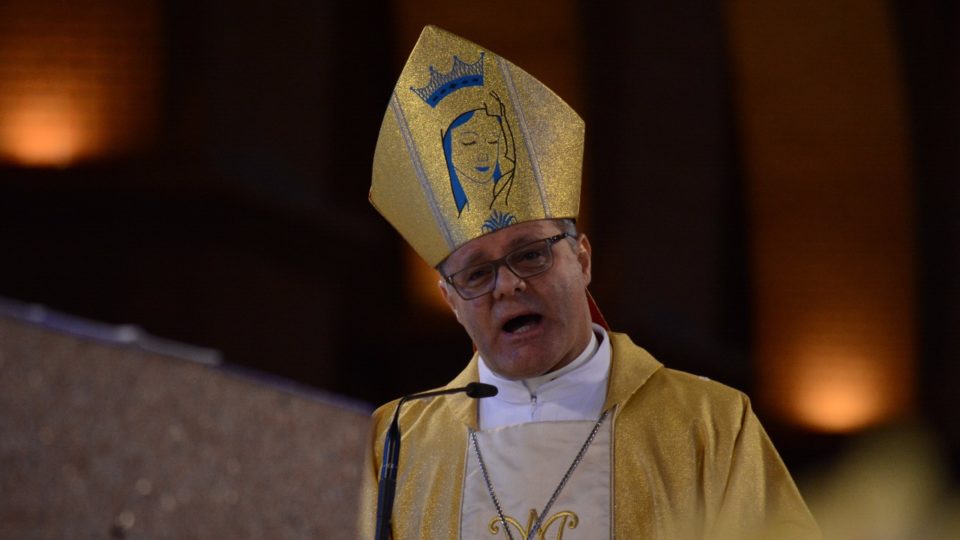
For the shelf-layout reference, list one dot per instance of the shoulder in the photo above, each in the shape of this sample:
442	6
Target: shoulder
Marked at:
383	414
410	411
432	416
655	387
698	395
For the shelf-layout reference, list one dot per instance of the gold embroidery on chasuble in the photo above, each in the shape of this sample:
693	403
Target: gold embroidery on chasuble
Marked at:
566	519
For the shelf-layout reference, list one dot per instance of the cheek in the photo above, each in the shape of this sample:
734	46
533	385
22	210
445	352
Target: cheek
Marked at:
474	320
566	294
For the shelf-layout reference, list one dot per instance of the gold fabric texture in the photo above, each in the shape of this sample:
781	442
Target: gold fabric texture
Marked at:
470	144
690	460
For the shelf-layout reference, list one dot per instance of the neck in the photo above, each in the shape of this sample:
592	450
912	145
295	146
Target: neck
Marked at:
588	339
585	355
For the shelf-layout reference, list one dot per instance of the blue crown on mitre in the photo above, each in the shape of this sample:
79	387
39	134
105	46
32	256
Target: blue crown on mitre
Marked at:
441	85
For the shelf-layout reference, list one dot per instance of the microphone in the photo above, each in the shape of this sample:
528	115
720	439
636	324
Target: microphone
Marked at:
478	390
391	452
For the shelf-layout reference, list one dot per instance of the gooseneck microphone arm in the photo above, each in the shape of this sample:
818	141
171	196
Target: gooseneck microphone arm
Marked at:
391	452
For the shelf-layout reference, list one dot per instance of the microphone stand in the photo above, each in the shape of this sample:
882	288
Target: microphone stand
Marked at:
391	453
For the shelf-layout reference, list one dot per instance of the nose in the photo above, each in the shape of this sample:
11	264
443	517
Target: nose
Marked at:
507	283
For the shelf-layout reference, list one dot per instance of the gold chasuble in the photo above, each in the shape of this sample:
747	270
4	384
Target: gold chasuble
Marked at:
688	459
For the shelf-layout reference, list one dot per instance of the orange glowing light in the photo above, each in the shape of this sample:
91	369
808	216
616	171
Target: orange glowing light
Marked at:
840	393
829	196
77	81
42	132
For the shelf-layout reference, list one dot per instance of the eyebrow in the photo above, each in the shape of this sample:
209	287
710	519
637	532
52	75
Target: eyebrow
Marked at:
474	258
521	240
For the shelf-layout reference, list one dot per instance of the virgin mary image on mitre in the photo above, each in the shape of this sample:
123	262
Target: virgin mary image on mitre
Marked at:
471	144
480	155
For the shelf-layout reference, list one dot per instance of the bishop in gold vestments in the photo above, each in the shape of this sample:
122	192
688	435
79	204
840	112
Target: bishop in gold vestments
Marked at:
478	166
689	460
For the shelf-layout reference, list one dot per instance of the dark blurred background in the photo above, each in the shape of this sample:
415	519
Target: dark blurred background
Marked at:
772	190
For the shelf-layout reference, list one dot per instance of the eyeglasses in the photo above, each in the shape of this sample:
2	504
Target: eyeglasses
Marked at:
526	261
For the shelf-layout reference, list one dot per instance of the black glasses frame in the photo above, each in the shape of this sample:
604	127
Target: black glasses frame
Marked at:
504	261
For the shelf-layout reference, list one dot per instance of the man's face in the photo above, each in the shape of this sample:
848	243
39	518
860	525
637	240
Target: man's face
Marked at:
525	327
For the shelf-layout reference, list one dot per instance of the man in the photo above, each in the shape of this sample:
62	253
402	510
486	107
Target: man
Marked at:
589	436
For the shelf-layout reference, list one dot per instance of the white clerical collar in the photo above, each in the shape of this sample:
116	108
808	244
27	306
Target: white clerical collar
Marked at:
575	392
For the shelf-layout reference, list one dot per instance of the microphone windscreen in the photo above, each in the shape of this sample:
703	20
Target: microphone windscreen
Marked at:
480	390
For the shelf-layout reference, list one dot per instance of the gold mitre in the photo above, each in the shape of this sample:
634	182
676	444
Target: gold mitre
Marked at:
470	144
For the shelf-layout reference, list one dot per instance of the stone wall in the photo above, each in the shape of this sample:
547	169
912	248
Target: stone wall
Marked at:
102	439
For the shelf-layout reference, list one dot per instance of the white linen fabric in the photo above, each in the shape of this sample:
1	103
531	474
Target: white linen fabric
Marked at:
575	392
525	480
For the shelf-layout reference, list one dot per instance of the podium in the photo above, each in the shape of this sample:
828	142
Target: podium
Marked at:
106	432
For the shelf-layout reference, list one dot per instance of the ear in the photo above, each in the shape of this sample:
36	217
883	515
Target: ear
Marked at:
448	297
584	252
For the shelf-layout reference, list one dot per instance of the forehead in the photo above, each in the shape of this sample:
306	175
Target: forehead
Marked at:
497	244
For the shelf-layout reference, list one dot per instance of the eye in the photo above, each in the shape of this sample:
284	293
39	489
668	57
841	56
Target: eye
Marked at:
530	256
476	275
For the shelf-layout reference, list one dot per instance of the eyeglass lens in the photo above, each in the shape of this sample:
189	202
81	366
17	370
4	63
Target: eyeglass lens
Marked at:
525	261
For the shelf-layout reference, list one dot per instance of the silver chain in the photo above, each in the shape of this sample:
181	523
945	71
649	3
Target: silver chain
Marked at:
556	492
486	480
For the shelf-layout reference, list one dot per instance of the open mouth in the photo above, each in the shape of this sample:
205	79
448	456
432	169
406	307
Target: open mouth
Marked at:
522	323
483	169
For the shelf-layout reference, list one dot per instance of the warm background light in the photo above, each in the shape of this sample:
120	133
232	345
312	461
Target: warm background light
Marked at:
839	391
422	281
824	140
78	80
43	131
